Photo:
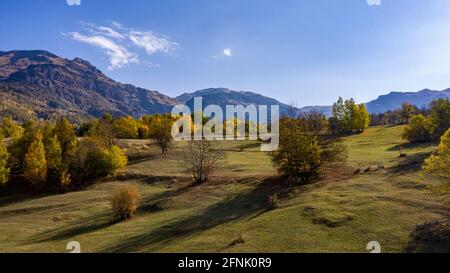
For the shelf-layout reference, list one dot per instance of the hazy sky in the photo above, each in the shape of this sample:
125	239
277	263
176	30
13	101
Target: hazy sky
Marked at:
303	51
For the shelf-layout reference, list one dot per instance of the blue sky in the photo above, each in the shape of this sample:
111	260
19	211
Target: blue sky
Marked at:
304	51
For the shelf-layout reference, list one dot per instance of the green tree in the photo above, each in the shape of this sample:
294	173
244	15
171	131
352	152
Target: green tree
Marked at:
348	117
439	164
298	155
419	129
35	162
440	115
4	169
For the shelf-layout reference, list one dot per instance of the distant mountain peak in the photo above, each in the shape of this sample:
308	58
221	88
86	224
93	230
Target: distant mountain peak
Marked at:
394	100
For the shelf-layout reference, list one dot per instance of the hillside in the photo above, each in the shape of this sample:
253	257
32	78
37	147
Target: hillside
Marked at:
43	83
340	213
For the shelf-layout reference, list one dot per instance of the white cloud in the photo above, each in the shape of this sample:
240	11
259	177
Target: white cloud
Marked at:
119	55
117	40
151	43
73	2
227	52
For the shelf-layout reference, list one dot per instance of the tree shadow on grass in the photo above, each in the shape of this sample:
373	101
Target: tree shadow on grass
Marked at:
19	198
410	164
406	146
246	205
86	225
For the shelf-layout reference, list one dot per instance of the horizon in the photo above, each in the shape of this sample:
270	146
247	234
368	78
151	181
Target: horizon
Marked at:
201	45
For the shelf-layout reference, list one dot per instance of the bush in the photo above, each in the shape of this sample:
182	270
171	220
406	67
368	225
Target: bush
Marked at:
419	130
125	202
439	164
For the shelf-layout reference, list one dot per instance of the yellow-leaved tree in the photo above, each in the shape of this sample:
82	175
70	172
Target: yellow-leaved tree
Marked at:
35	162
4	170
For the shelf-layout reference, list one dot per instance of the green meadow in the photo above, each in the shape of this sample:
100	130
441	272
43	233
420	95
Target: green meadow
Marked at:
342	212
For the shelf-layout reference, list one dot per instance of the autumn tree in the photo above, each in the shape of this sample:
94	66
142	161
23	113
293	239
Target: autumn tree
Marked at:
103	131
35	162
54	157
126	128
4	169
65	131
10	129
160	129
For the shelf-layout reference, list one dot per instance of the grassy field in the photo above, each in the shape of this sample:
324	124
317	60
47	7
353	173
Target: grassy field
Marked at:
340	213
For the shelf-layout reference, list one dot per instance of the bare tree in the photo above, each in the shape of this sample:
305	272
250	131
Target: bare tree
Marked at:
200	158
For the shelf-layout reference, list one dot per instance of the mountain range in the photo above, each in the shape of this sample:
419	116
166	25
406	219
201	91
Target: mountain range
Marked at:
40	84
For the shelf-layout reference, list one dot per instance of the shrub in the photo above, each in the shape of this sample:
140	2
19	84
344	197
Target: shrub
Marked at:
439	164
419	129
125	202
